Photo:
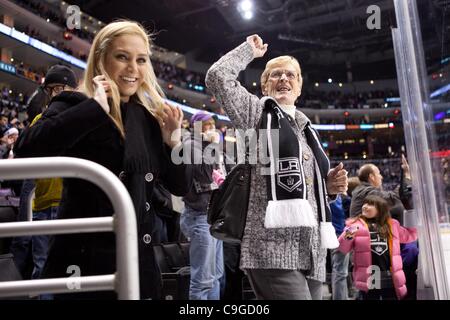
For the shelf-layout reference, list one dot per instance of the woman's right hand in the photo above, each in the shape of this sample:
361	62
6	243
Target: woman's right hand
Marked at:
102	86
259	48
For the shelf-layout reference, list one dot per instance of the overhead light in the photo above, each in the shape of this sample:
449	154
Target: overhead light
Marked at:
316	84
340	84
371	81
248	15
330	80
246	5
245	8
254	84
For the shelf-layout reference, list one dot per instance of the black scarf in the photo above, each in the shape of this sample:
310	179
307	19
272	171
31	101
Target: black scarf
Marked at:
288	205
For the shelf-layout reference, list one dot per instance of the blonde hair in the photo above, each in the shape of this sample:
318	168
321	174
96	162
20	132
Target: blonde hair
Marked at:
278	61
149	94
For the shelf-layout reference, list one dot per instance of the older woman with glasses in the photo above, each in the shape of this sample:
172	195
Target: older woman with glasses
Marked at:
288	227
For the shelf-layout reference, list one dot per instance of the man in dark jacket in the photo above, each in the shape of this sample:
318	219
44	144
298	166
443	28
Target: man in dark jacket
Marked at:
57	79
206	252
372	184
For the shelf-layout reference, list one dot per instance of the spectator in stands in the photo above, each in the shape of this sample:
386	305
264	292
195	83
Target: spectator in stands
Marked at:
4	123
282	250
372	184
57	79
339	261
206	252
48	192
5	93
120	121
9	138
375	240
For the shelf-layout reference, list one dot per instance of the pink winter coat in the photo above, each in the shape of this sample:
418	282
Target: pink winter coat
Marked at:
362	257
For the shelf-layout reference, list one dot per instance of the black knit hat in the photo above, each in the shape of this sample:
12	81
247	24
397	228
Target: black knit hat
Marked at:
62	75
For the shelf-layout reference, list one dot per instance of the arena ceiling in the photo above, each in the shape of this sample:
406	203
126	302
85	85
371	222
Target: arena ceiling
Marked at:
328	37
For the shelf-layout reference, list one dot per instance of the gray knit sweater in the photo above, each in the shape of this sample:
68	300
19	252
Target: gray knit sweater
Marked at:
261	248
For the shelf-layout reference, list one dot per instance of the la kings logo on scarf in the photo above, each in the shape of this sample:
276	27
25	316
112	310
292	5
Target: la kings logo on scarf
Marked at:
289	176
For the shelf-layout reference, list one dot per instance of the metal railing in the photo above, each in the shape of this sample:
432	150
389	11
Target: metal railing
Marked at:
30	205
123	223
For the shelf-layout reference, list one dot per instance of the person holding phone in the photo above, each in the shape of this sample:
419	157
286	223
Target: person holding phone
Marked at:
374	237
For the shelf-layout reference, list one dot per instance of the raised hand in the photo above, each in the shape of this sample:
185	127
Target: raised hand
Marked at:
337	181
170	123
259	48
102	88
405	168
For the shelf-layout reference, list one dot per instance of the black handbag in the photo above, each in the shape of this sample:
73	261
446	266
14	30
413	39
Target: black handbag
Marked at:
228	205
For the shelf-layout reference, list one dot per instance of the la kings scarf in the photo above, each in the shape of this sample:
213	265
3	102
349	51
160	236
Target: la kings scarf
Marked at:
288	205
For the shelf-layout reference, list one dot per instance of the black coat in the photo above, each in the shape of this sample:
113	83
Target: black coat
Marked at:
76	126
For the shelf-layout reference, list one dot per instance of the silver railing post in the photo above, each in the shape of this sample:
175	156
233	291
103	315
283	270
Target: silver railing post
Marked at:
123	223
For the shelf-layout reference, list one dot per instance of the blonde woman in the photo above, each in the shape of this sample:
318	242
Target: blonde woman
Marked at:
120	121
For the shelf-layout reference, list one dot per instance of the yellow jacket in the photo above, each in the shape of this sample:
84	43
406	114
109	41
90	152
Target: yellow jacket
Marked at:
48	191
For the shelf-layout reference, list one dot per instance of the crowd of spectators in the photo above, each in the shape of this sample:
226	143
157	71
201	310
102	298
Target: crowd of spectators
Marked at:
12	117
340	100
13	106
30	72
390	169
54	14
60	45
180	77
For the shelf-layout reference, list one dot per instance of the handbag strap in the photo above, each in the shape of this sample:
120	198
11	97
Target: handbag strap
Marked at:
247	142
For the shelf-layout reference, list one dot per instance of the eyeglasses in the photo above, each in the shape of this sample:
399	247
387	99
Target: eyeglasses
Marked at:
277	74
55	89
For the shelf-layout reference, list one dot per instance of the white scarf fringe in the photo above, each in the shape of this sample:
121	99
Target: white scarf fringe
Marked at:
328	239
289	213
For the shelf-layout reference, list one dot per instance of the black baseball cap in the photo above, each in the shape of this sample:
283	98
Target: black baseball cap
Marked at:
61	74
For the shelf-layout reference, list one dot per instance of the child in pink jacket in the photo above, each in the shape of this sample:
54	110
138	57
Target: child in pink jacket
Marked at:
375	240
